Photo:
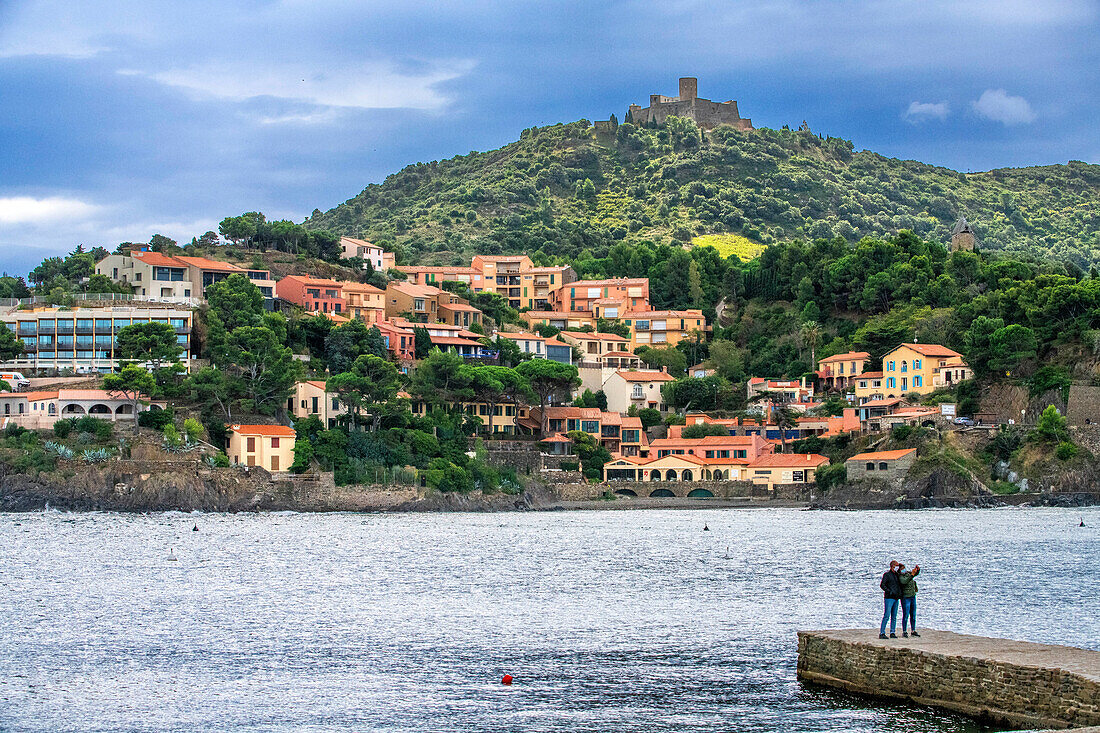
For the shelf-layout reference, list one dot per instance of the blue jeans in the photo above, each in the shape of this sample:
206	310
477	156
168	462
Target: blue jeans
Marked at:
909	612
890	612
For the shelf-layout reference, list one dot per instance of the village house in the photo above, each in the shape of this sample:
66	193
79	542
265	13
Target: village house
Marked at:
370	253
641	389
506	418
631	293
503	275
837	372
663	328
868	387
364	302
788	392
785	468
41	409
607	350
540	283
311	399
922	369
890	465
540	347
559	319
400	342
672	469
428	304
312	294
270	447
616	432
436	276
736	448
177	277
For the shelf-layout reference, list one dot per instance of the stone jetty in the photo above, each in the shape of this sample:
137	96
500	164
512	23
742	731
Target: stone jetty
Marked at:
999	681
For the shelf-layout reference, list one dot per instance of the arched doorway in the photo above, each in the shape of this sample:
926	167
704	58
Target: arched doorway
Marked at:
99	409
670	475
718	475
661	494
686	475
72	409
700	494
655	476
124	410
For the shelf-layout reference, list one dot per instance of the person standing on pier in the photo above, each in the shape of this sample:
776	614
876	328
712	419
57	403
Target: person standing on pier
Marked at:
908	598
891	595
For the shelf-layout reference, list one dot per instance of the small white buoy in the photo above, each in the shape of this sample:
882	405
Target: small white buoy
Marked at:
171	556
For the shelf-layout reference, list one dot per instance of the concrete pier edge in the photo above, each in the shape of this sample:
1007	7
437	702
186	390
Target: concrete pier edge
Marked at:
999	681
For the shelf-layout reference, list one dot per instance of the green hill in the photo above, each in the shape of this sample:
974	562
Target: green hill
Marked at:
561	190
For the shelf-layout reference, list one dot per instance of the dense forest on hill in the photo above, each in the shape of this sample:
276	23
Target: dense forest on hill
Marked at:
564	193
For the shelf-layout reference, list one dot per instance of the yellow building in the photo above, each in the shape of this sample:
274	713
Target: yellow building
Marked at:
840	370
310	398
869	387
363	301
921	368
785	468
268	446
559	319
663	328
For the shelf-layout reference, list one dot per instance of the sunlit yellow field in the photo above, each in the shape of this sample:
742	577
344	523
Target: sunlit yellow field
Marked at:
730	244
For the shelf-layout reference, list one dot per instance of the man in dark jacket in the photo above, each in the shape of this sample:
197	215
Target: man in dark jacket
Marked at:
891	595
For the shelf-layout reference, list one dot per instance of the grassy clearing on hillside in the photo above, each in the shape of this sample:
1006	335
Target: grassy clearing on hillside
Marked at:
730	244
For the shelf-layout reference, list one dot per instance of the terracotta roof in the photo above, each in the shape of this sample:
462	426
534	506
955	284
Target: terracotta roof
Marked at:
276	431
928	350
616	282
598	335
882	403
499	258
870	375
884	455
556	438
414	289
90	394
157	259
788	460
422	269
319	282
206	264
646	376
353	287
632	422
318	383
846	356
359	242
458	307
37	396
565	412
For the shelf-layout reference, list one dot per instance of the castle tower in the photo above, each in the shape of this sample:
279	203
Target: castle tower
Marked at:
962	236
689	88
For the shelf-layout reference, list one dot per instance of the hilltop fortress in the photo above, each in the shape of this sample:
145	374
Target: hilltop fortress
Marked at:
707	114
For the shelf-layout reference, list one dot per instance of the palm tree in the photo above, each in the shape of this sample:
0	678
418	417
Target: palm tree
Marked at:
811	332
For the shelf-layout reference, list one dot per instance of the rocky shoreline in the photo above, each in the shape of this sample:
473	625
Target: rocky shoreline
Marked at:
137	486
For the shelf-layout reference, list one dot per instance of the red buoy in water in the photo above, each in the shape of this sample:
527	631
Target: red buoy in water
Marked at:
506	679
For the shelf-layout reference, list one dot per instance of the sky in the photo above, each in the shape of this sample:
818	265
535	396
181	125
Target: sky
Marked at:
126	118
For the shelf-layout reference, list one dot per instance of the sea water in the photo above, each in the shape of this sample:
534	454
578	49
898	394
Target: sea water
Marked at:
607	620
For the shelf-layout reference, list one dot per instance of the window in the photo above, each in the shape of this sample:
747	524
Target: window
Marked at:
316	406
710	454
103	325
590	426
636	393
890	383
274	442
641	326
841	368
905	383
882	466
889	366
870	465
251	443
918	381
168	274
740	454
904	367
29	327
916	364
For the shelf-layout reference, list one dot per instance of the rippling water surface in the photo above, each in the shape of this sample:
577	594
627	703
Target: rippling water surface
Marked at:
609	621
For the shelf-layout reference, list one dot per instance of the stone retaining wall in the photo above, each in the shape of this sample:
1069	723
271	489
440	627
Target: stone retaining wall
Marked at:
1000	681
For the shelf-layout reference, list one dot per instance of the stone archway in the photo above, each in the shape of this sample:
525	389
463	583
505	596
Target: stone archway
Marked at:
124	410
99	409
73	409
662	494
700	494
626	492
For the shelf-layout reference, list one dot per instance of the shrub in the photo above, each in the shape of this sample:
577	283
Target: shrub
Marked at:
901	432
172	438
702	430
829	476
218	460
156	419
569	465
62	428
1065	451
1051	428
101	429
675	419
217	432
649	416
192	428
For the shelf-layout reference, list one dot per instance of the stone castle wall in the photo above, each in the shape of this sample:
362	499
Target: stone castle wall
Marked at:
995	680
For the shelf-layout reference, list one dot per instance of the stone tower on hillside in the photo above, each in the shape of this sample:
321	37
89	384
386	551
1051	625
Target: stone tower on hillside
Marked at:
707	114
962	236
